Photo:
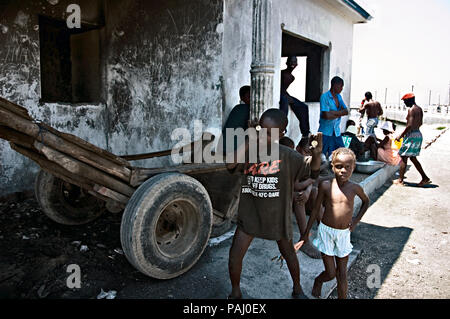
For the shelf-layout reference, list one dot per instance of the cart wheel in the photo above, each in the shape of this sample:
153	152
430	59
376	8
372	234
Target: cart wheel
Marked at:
220	227
166	225
66	203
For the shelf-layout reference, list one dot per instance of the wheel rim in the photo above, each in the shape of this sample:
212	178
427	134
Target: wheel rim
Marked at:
73	197
176	228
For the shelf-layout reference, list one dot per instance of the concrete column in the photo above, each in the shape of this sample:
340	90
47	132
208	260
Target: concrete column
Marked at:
262	68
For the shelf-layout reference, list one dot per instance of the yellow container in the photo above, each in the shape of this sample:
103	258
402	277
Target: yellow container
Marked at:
398	143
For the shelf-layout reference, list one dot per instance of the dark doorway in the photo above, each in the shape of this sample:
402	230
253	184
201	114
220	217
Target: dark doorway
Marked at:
70	62
314	55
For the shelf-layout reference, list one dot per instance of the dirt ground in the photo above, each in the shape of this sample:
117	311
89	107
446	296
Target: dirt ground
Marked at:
35	253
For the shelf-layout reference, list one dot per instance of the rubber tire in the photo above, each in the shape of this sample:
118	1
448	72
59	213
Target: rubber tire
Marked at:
48	188
221	228
140	218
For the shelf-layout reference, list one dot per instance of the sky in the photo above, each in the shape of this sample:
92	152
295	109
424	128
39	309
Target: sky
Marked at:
407	43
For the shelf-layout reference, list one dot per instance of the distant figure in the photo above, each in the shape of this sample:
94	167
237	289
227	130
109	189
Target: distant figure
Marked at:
239	115
352	142
374	110
387	149
332	108
333	234
412	140
299	108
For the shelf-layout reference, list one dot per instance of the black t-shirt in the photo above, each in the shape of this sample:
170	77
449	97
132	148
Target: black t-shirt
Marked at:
238	118
265	205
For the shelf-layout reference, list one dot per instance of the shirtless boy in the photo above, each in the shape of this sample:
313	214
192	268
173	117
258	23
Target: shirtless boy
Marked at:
412	140
333	236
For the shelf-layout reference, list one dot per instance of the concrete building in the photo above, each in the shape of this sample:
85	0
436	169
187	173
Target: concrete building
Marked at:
135	70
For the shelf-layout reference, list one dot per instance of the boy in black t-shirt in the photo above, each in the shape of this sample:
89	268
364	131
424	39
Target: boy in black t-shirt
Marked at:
265	206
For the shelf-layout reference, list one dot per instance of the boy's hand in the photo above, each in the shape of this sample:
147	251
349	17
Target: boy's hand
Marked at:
352	225
304	239
316	144
298	245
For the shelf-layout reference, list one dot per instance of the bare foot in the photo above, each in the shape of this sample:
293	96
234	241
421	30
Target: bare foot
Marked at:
297	293
424	182
317	289
235	294
398	182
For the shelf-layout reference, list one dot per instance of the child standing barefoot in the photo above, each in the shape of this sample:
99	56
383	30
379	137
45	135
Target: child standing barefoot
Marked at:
333	236
265	205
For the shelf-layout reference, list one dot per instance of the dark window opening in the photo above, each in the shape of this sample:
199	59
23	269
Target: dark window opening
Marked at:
313	54
70	62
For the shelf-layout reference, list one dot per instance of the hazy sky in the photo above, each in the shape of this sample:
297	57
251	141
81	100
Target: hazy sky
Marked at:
406	43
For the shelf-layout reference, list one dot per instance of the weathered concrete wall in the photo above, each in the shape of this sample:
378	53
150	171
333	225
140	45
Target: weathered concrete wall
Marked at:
237	49
164	71
20	83
161	69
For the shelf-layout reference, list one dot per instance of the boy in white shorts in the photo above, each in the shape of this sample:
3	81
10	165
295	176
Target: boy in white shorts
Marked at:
333	236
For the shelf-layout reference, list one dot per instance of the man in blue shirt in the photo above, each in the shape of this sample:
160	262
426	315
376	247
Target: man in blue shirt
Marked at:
332	108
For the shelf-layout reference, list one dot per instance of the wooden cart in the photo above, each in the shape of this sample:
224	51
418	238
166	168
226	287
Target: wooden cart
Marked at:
169	213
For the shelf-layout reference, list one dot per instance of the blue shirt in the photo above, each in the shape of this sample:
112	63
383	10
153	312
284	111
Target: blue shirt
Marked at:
327	127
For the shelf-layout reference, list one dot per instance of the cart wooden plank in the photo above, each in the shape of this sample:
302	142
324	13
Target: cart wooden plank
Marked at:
64	146
79	168
140	175
16	109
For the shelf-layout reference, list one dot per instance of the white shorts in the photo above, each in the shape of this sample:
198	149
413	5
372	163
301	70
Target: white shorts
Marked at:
333	242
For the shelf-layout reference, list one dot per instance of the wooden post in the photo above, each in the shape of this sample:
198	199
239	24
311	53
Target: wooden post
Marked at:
263	67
